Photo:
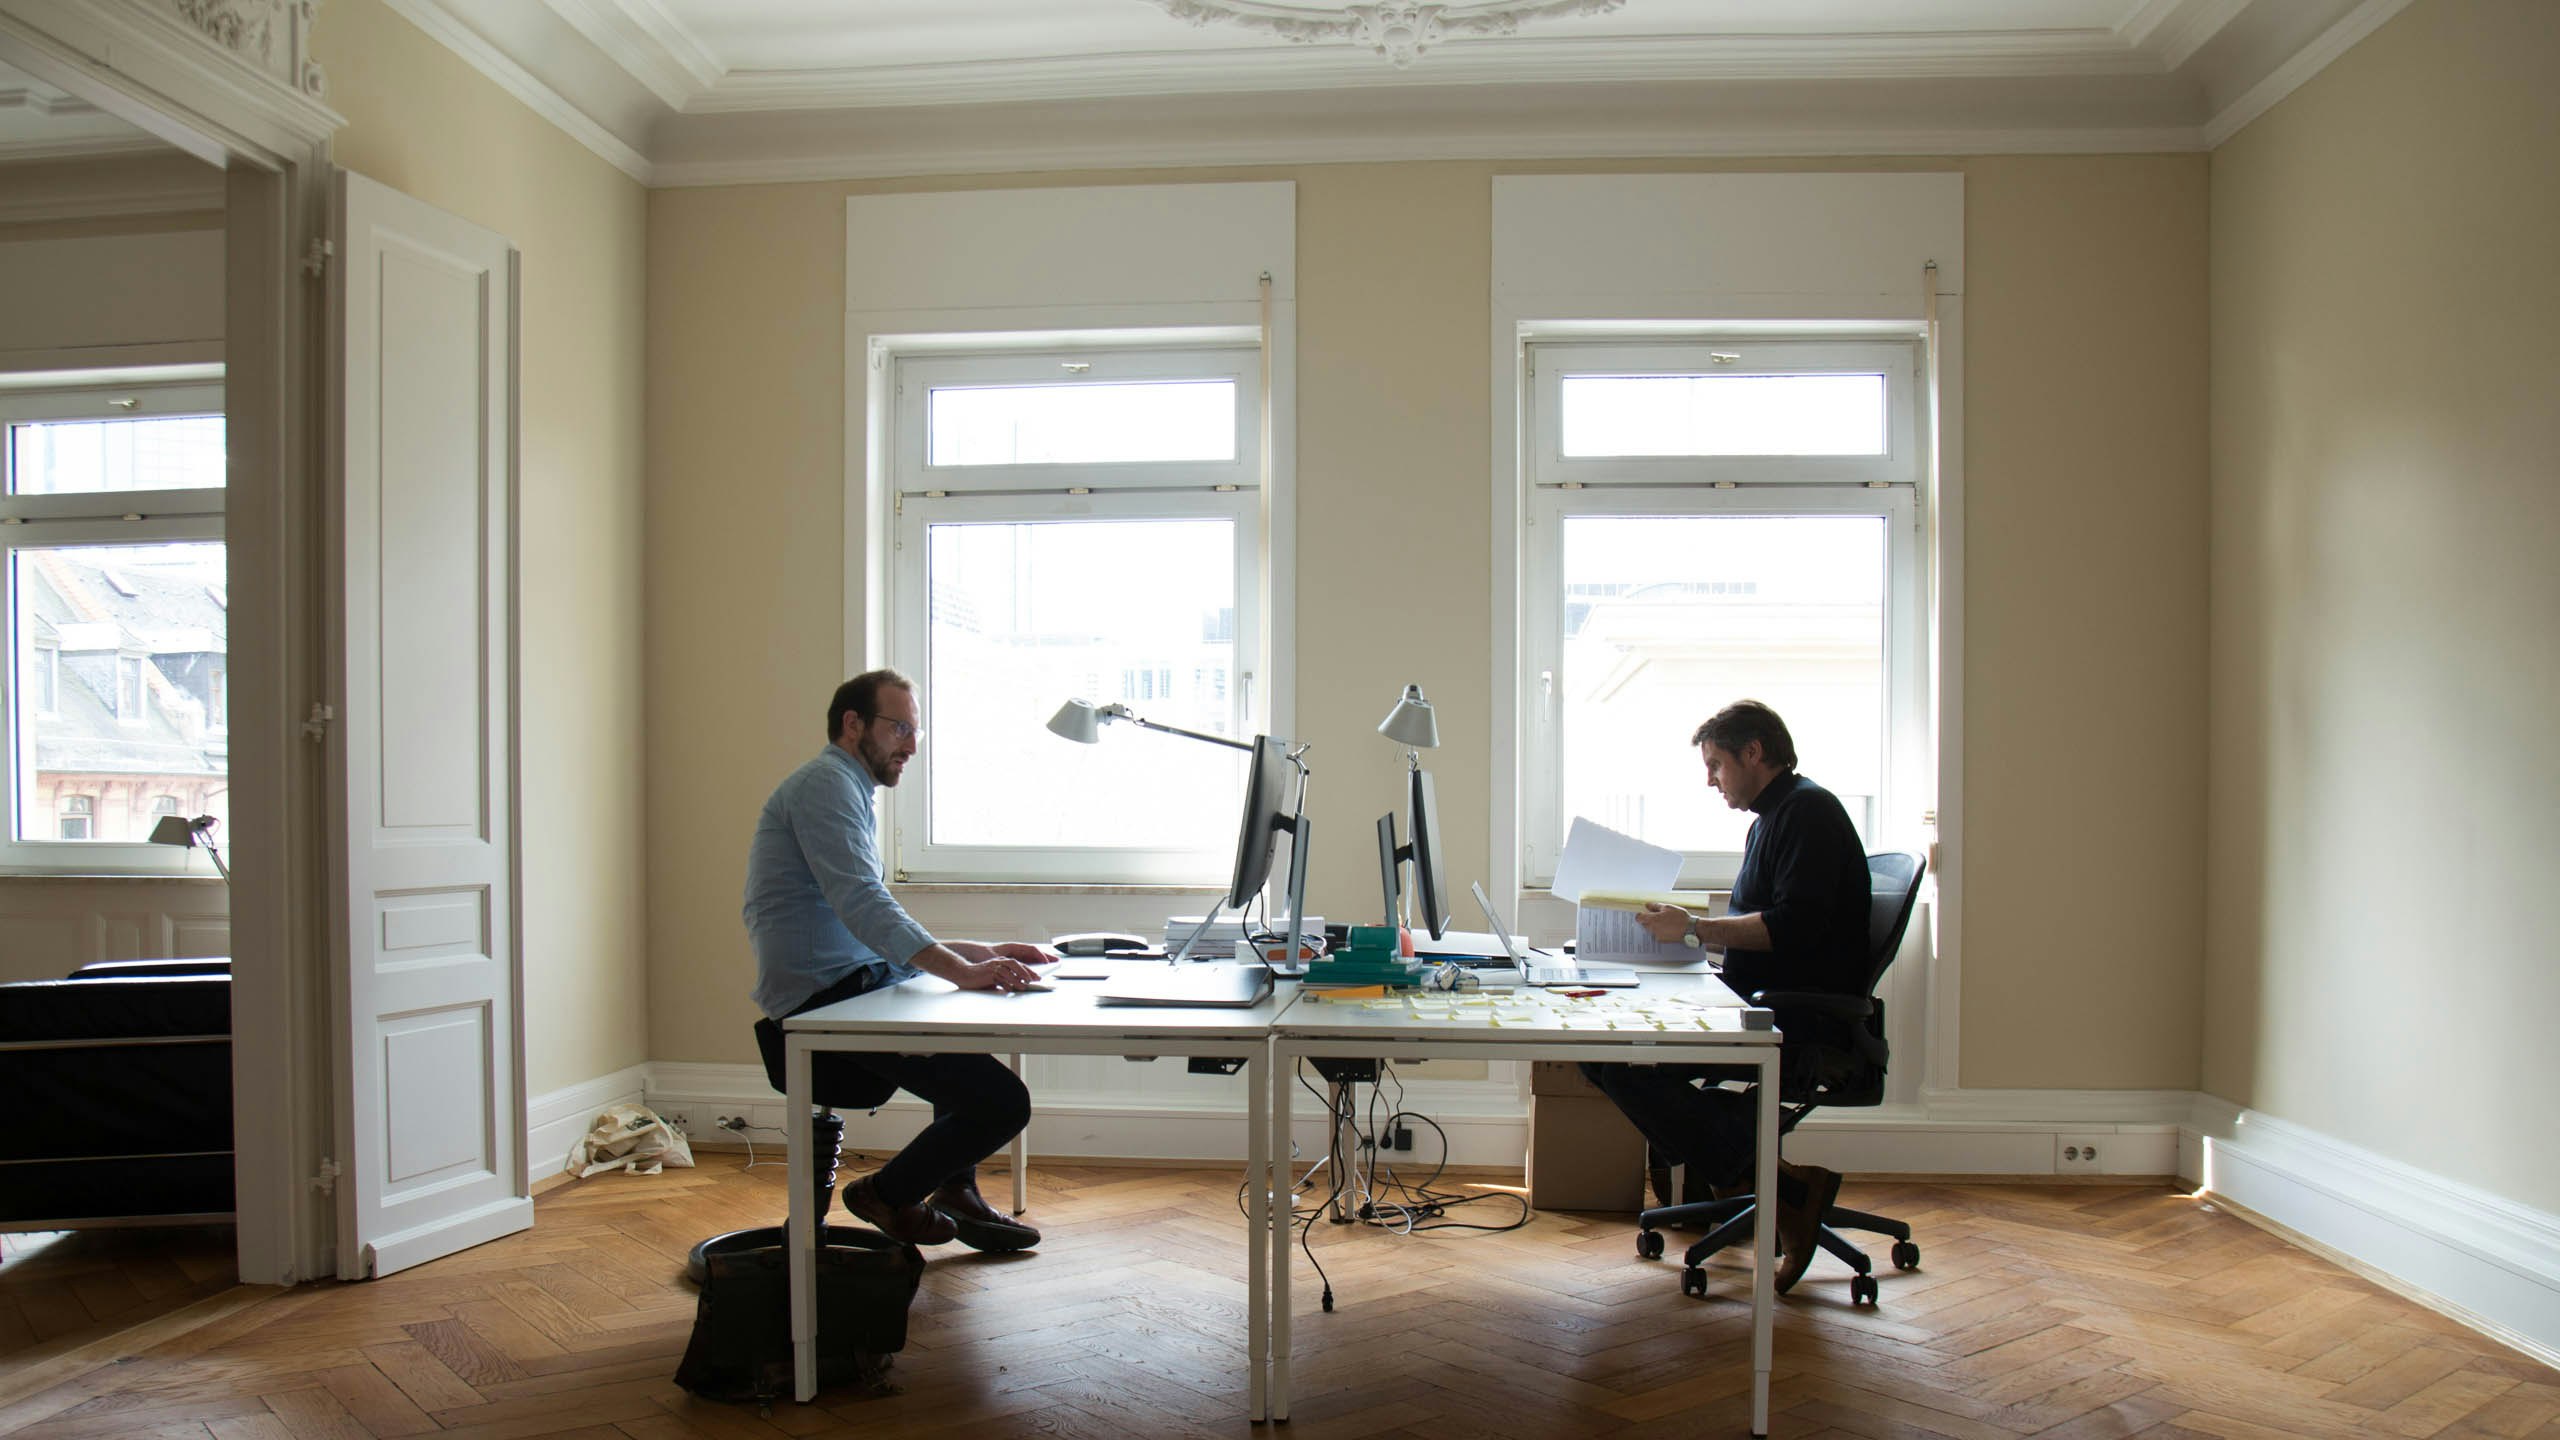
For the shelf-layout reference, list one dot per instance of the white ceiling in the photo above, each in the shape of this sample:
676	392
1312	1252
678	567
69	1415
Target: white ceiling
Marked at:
721	91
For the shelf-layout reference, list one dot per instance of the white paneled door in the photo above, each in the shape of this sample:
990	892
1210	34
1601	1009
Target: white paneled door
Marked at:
431	1107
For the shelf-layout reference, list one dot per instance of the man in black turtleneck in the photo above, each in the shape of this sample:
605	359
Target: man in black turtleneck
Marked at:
1798	921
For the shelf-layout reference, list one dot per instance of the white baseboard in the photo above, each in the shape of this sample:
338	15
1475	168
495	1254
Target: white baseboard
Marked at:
2488	1262
555	1121
2485	1261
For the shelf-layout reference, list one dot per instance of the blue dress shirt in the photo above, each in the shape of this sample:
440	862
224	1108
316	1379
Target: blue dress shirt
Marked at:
817	907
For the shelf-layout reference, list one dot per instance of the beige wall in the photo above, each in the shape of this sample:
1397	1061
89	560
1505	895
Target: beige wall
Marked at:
2085	463
2386	576
422	121
2085	620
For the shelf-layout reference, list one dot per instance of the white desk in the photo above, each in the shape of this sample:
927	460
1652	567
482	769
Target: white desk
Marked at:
925	1015
929	1016
1398	1029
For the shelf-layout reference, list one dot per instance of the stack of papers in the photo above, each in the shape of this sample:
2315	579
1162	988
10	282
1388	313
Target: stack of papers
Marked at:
1610	877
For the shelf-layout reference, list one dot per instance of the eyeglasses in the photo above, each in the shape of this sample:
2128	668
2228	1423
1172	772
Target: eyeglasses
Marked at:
904	730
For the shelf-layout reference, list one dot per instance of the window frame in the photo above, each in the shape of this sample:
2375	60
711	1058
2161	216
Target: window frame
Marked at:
924	495
99	518
1559	487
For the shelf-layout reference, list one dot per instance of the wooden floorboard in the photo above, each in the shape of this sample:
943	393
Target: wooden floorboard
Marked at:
2069	1312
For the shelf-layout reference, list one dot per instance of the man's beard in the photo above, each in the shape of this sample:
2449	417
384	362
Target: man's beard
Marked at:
881	760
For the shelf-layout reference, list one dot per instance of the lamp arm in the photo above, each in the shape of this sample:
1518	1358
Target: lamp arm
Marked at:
1146	723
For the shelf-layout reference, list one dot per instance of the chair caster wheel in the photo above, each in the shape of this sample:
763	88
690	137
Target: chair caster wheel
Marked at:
1906	1256
1693	1281
1648	1244
1862	1290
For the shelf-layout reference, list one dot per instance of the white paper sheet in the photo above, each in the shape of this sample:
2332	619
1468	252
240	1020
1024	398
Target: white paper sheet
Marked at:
1598	858
1604	937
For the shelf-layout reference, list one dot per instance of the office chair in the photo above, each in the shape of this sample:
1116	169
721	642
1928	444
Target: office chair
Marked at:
1834	1054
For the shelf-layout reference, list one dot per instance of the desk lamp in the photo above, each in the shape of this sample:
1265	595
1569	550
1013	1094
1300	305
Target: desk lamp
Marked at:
187	834
1268	810
1412	725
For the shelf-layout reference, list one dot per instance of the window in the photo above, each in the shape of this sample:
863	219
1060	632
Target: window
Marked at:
1076	524
1713	521
166	805
112	572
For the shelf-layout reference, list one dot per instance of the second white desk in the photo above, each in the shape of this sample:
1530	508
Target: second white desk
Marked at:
1399	1028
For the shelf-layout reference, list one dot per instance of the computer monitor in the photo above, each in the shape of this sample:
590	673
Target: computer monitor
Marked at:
1266	817
1269	812
1430	880
1390	878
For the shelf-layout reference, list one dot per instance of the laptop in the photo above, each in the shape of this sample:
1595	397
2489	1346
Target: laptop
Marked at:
1216	983
1548	972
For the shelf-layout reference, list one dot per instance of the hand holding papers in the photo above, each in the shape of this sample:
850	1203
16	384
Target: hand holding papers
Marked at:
1610	876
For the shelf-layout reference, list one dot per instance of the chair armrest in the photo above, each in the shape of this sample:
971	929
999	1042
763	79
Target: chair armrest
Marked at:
1816	1003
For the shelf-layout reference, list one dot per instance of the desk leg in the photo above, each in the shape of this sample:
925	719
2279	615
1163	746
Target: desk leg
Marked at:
1764	1247
1284	1223
1257	1223
803	1229
1021	1159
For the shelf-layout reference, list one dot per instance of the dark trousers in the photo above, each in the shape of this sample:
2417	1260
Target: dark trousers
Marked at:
978	1104
1706	1127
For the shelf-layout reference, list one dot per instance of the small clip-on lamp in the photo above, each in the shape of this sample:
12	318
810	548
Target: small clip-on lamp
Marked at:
1082	722
187	834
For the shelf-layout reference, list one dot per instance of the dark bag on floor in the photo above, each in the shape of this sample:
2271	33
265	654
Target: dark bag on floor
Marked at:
741	1345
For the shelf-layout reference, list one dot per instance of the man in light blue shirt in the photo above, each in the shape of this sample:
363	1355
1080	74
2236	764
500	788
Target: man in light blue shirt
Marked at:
826	928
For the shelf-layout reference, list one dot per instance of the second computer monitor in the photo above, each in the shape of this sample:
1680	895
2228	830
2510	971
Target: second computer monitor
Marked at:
1430	880
1390	868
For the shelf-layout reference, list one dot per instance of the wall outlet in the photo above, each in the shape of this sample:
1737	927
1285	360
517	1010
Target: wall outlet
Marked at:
2078	1154
678	1119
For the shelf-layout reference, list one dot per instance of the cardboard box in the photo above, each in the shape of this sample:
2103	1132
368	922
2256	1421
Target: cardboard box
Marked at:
1560	1077
1583	1154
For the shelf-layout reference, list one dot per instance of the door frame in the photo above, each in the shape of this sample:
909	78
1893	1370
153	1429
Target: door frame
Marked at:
249	103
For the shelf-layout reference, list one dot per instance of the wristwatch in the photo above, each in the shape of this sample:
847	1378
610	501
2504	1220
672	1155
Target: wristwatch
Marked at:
1689	936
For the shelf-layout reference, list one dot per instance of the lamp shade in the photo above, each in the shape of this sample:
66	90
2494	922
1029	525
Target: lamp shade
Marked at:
1411	724
174	830
1077	720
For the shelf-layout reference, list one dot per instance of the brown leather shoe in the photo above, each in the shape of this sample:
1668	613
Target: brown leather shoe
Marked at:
915	1224
1800	1223
981	1226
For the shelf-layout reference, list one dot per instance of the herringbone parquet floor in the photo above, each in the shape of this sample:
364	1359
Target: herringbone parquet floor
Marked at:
2056	1311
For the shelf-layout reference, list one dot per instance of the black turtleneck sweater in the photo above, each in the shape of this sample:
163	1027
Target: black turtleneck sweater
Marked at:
1804	873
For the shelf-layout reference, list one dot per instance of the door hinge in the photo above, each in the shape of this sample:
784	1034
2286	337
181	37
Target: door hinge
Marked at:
316	726
326	1182
315	258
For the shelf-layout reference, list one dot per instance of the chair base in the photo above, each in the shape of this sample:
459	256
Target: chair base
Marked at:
1734	1221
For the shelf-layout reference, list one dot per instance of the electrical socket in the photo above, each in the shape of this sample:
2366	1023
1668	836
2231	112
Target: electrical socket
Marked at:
2078	1154
679	1119
731	1122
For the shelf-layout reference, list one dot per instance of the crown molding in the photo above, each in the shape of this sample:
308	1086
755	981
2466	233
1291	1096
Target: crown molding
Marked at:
15	152
2293	74
441	26
2178	34
1513	62
648	42
121	192
655	53
875	163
